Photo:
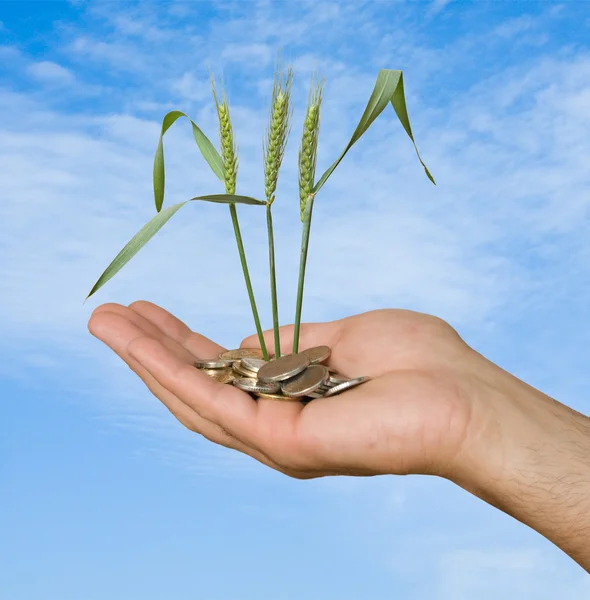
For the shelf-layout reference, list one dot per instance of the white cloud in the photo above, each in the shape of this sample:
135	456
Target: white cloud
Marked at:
255	55
119	55
504	232
192	87
50	72
437	6
527	574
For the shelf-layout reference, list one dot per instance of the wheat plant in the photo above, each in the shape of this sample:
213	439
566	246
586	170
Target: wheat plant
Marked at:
307	163
388	89
229	156
274	150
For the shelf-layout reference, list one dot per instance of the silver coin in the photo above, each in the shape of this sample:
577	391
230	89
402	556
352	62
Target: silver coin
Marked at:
213	363
252	364
342	387
283	368
240	370
336	378
251	385
317	355
242	353
306	382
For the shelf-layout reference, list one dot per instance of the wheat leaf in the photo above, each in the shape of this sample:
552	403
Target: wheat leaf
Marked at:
398	101
147	232
389	87
207	149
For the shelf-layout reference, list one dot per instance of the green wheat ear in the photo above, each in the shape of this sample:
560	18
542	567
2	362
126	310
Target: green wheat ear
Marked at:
278	131
309	145
229	152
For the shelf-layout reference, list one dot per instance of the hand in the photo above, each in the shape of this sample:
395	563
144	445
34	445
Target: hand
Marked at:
411	417
433	405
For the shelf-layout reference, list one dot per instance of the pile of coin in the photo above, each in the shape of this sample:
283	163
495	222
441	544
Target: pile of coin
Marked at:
300	376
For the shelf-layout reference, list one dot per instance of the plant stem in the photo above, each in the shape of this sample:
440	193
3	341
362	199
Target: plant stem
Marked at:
236	224
302	263
273	281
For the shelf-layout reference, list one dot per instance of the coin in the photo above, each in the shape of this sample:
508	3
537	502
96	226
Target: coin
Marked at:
242	353
252	364
251	385
212	363
220	375
239	368
336	378
306	382
341	387
283	368
274	396
317	355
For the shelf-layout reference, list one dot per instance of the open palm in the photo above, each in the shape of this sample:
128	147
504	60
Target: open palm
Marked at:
411	417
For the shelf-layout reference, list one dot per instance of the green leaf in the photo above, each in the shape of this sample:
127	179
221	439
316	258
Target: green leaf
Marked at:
207	149
389	87
147	232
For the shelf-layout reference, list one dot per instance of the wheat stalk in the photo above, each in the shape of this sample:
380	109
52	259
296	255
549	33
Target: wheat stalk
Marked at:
229	155
307	165
274	150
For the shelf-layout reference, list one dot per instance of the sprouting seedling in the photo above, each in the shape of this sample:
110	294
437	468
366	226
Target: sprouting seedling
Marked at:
229	155
274	150
389	87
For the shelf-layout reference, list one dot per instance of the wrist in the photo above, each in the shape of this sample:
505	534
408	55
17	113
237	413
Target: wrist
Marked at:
529	456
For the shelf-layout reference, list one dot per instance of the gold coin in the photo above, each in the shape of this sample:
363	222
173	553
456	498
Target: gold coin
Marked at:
275	397
220	375
242	353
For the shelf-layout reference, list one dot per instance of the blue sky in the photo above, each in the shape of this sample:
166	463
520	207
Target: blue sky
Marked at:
102	493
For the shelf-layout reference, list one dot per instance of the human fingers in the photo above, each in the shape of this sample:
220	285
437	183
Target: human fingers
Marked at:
149	327
199	345
227	407
116	331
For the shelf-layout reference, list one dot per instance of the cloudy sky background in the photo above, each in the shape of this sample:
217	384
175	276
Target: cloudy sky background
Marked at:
102	493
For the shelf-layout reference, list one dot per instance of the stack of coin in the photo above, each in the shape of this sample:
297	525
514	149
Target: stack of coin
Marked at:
300	376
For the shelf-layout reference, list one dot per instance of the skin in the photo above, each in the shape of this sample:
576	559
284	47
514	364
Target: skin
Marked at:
433	406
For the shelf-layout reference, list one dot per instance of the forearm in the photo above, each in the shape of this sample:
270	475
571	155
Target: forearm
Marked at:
530	457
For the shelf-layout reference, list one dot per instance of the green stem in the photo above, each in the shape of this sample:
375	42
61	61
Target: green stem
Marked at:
234	218
302	263
273	281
